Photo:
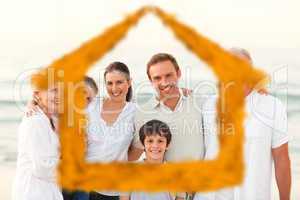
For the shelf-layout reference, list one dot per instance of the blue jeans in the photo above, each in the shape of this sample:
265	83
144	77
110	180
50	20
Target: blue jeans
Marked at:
80	195
98	196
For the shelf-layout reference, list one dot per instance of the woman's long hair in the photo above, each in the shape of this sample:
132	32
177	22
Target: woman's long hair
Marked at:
120	67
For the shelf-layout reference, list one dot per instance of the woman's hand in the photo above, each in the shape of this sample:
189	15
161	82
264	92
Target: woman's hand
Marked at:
124	197
31	108
263	91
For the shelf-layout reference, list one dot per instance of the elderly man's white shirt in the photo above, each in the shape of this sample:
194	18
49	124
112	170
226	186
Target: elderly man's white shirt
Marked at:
265	129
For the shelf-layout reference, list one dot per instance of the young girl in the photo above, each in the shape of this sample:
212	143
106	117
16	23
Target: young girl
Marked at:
111	122
38	150
155	136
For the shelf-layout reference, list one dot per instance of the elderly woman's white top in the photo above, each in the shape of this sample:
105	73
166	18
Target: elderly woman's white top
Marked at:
106	142
38	156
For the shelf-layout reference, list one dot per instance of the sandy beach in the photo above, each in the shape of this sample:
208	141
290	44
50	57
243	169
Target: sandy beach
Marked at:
8	157
7	173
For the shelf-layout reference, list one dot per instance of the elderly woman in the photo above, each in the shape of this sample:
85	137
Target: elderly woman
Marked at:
38	150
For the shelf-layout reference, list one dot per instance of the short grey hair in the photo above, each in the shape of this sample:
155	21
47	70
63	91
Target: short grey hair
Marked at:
242	53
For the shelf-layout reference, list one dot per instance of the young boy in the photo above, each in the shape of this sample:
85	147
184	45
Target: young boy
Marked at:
155	136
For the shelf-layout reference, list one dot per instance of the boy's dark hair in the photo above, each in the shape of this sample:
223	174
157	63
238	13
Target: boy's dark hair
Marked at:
155	127
161	57
91	83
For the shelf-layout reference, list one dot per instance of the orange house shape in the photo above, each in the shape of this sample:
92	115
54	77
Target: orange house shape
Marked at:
226	170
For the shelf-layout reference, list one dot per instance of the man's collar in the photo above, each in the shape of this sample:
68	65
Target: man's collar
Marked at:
155	102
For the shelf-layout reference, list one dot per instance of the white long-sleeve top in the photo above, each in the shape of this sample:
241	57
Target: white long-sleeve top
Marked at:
107	143
38	156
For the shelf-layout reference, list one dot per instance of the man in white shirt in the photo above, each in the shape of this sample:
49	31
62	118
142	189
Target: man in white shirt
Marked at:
266	141
182	113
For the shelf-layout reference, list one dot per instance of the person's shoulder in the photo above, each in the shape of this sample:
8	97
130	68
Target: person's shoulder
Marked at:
266	102
93	104
32	122
209	100
202	98
131	108
266	108
35	118
146	107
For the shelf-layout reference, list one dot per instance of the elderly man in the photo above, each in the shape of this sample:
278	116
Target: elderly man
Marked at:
266	142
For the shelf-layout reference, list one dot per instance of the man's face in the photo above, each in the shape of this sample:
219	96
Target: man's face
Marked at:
164	78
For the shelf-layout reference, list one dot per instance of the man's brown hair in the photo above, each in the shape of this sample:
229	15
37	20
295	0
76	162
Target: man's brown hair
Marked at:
161	57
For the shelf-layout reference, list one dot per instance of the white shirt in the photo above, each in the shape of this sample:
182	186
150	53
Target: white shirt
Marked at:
107	143
38	156
185	123
265	129
150	195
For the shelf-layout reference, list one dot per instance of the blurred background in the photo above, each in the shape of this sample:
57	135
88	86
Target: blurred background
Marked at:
34	33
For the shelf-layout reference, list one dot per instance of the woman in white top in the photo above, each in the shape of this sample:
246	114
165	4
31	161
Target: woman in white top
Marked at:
111	122
38	151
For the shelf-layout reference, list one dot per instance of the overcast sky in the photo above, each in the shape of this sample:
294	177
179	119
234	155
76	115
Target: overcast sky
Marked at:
34	32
